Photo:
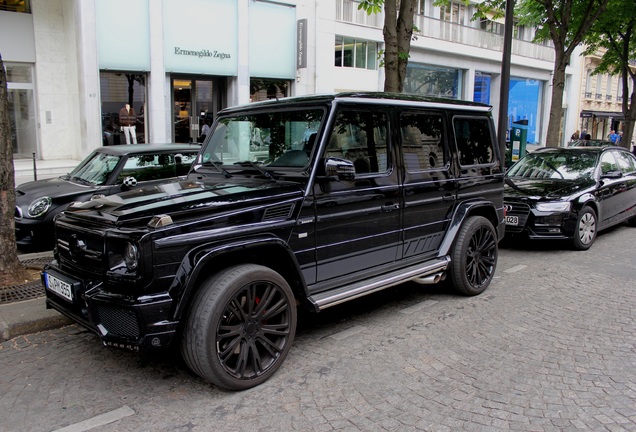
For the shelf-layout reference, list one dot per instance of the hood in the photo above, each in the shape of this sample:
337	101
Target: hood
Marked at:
57	188
548	189
184	200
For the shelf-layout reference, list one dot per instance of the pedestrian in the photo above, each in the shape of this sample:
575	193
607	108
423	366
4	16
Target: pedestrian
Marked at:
612	136
576	135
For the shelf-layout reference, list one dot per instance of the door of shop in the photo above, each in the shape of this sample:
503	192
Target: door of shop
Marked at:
195	102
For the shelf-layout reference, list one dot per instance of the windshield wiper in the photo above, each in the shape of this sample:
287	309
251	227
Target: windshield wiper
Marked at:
263	171
217	165
81	180
552	167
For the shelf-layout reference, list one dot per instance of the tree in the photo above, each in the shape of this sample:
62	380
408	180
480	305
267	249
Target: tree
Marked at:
398	33
614	36
565	23
11	270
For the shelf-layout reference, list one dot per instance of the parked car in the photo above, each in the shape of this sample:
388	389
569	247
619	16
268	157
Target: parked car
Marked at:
101	173
388	189
570	193
591	143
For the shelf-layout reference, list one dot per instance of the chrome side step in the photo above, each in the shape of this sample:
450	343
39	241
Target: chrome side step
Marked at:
418	273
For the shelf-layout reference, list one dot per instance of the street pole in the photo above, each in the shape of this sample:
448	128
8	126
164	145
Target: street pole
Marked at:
505	81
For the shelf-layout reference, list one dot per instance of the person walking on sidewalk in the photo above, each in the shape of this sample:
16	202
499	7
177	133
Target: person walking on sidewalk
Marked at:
127	121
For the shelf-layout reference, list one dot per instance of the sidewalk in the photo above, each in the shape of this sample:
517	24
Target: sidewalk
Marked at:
45	169
18	318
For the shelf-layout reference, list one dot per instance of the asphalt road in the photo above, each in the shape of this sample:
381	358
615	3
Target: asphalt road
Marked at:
551	346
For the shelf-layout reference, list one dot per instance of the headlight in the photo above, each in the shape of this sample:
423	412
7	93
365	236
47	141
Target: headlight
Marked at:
131	257
554	206
39	207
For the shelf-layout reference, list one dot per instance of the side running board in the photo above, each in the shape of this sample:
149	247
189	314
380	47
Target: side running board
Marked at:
416	273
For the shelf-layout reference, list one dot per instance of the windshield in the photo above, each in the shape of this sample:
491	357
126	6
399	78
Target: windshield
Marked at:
269	139
558	165
96	169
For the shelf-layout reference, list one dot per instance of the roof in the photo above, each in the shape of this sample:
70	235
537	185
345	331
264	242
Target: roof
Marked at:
147	148
375	97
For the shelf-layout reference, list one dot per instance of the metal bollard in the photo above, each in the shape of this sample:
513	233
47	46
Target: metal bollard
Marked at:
35	168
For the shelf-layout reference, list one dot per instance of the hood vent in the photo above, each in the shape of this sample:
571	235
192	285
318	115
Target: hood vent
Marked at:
278	212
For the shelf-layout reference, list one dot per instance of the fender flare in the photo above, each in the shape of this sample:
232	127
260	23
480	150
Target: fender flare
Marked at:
461	213
184	282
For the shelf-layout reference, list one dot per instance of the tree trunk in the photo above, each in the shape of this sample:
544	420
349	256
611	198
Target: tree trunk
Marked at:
404	36
391	75
11	270
629	110
556	104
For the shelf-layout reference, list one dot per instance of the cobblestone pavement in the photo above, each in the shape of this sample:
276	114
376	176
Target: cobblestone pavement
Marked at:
551	346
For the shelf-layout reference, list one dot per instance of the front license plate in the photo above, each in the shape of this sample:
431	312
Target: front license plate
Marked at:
512	220
59	287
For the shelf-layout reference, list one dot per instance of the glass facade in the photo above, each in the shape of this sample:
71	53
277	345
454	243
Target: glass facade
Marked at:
481	92
117	90
524	103
433	81
23	6
351	52
21	109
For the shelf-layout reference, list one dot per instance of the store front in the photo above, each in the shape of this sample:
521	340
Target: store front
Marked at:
21	109
118	89
195	103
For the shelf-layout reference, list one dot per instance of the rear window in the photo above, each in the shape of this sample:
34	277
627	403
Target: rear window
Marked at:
474	140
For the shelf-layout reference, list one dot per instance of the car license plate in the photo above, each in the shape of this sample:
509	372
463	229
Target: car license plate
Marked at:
512	220
59	287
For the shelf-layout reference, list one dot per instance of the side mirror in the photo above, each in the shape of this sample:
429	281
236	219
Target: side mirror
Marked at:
340	169
612	175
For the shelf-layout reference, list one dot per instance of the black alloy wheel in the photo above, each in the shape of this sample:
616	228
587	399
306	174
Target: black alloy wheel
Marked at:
474	257
241	327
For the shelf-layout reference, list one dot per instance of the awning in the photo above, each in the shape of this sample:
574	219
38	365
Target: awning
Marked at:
602	114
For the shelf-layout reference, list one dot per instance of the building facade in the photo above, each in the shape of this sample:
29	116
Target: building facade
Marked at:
601	101
73	64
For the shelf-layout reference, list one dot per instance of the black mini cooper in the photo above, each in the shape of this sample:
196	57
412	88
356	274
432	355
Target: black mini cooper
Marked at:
570	193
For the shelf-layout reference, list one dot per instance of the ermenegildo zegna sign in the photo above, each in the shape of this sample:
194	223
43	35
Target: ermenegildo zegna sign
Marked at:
202	53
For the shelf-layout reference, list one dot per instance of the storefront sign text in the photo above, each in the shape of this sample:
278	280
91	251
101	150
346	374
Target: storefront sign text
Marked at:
202	53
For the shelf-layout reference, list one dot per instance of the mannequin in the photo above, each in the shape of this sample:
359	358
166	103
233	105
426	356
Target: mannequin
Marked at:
127	121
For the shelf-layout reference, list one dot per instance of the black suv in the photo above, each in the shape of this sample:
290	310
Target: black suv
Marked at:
308	201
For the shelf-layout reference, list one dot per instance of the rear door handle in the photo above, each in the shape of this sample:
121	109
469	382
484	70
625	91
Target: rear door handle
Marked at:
389	207
448	197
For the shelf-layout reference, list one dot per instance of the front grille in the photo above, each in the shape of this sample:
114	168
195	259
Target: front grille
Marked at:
80	251
120	322
521	210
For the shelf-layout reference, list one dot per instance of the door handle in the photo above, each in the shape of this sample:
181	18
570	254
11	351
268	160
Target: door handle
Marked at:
448	197
389	207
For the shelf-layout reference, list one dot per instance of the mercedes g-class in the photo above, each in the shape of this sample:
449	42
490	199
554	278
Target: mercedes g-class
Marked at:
300	202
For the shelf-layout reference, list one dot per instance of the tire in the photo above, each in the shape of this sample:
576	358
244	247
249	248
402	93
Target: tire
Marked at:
240	327
474	257
585	230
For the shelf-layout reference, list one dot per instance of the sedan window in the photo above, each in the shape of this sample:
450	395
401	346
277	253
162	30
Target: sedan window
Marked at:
608	163
626	162
554	165
96	169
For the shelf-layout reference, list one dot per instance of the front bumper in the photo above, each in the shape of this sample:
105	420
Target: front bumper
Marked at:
539	225
133	322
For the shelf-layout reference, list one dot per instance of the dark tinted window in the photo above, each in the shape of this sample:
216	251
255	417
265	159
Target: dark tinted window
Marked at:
361	137
422	141
474	140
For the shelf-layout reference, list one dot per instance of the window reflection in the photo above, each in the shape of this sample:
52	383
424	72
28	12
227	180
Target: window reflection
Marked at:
23	6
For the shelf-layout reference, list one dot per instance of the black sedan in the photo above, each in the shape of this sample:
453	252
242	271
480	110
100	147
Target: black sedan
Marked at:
105	171
570	193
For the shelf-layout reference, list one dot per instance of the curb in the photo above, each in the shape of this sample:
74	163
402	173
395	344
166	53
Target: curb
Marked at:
29	316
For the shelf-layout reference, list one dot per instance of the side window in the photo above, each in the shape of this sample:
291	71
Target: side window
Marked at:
361	137
422	141
474	141
608	163
183	161
626	162
148	167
